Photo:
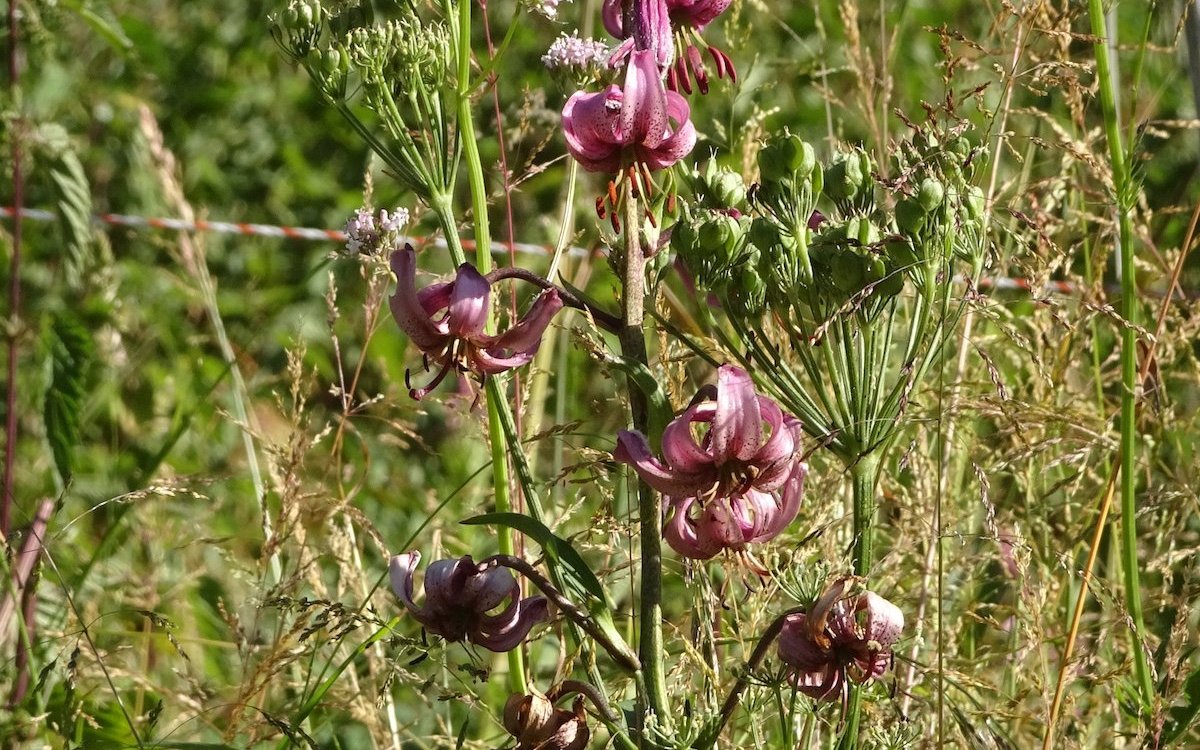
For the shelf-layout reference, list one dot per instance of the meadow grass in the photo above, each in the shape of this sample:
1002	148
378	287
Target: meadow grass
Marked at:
214	570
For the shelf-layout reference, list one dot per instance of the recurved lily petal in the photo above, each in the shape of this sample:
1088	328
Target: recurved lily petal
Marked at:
679	445
611	15
529	612
758	512
737	426
589	126
487	590
697	13
885	621
526	336
680	141
789	502
780	445
682	536
406	307
822	684
644	106
435	297
469	302
489	364
652	28
632	448
400	573
796	646
721	524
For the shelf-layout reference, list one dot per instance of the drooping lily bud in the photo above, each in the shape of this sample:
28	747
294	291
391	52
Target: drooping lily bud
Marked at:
537	725
734	486
464	602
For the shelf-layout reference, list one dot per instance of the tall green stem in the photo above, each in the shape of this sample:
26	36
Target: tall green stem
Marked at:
865	473
633	346
483	262
1123	185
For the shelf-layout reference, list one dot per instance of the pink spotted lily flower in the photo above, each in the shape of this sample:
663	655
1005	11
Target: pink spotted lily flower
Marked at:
651	30
735	485
639	124
688	18
464	601
842	638
446	322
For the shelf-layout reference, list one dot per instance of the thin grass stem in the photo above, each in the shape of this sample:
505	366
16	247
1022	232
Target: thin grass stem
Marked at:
1124	197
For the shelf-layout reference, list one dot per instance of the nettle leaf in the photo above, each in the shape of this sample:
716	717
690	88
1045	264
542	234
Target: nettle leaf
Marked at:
71	353
73	197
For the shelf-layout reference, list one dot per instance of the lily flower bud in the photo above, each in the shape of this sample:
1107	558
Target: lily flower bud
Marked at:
537	725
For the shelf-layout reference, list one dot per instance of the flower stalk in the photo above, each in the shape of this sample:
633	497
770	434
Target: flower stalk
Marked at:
633	346
483	261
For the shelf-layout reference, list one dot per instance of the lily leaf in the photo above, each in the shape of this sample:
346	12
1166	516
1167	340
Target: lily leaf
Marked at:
576	573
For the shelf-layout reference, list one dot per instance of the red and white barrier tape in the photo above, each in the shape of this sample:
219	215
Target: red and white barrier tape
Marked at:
335	235
256	230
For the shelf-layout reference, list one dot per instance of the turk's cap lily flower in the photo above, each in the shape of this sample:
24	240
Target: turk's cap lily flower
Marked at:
466	602
735	485
446	322
843	637
696	13
651	30
640	123
685	20
703	531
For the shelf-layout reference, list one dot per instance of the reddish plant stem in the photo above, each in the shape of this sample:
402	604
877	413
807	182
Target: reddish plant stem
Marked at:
14	281
24	585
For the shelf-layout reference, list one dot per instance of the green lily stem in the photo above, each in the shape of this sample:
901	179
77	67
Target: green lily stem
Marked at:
633	346
865	474
1123	184
483	262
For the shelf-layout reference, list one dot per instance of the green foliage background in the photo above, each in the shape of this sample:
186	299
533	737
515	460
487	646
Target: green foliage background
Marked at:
156	546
